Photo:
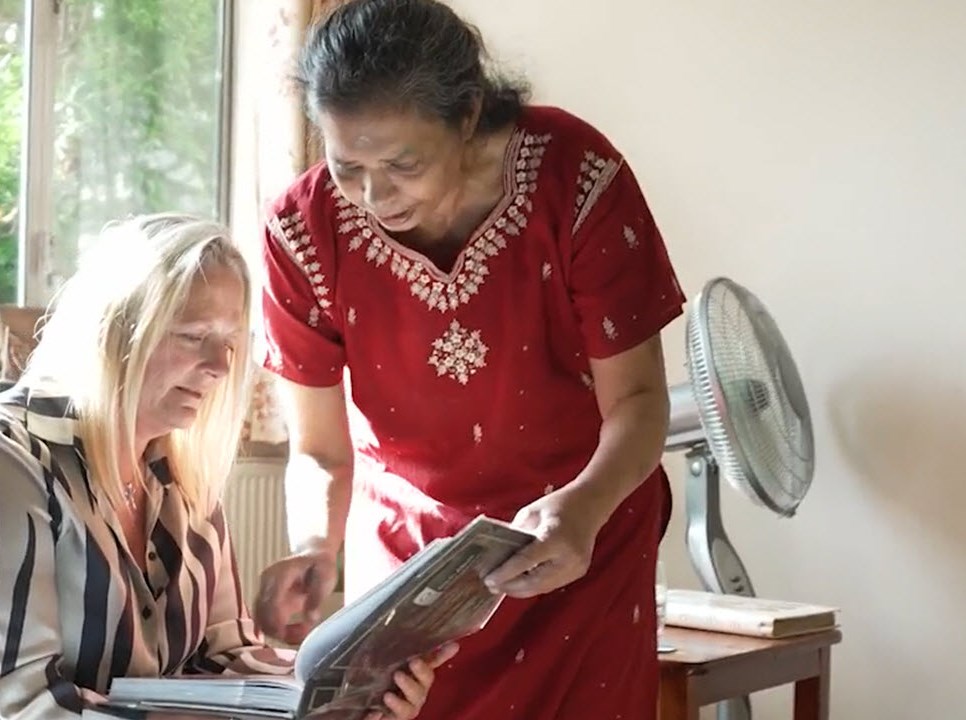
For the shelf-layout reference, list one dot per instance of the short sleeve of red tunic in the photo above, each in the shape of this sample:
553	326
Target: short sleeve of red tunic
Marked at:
302	334
622	283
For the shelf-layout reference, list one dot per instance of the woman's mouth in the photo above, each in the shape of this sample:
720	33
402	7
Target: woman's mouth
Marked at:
191	393
396	219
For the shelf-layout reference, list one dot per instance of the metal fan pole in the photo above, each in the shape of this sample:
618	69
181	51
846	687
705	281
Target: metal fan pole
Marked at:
713	557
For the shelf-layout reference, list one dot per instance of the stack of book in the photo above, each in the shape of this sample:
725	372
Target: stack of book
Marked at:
740	615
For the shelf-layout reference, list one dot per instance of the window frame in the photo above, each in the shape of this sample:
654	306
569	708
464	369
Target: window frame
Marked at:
35	236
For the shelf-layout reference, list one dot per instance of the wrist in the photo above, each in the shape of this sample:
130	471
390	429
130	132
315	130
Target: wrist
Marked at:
318	545
594	501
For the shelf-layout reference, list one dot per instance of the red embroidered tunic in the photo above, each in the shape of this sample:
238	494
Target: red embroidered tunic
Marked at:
474	395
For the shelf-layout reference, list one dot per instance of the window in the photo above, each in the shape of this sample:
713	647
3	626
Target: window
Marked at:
115	107
11	124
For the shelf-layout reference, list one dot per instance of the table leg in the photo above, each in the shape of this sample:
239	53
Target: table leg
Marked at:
674	702
812	694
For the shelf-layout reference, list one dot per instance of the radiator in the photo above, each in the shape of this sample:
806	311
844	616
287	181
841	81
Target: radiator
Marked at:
255	509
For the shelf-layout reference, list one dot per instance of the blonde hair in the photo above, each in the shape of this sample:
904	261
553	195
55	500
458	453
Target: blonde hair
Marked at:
105	323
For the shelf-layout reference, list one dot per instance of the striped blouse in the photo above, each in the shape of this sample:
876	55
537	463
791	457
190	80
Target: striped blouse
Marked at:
75	608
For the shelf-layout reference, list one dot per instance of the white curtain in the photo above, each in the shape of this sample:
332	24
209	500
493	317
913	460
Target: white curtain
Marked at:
272	144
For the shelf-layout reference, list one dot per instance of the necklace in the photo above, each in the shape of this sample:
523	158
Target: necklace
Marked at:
130	495
130	488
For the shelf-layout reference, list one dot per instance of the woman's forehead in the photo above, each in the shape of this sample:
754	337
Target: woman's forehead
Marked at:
216	294
378	131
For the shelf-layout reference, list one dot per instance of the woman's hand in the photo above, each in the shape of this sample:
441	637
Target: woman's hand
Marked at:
291	592
413	686
566	523
91	698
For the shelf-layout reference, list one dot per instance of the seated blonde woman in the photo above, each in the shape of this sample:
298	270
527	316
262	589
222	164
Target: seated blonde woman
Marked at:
114	447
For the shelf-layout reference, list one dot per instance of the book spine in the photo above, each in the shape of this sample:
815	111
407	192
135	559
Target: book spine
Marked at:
718	620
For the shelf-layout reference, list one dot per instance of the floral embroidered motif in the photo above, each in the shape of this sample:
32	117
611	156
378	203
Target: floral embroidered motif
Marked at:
290	231
351	316
314	316
609	329
477	434
353	221
596	174
587	380
631	237
459	353
546	270
447	293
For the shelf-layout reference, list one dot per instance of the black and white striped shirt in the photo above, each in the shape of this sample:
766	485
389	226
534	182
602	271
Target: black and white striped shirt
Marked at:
75	608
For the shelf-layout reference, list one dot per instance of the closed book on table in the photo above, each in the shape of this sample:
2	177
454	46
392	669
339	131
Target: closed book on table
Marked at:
739	615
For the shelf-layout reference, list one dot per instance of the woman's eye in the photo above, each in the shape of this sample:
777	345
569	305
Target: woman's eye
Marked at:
192	338
405	167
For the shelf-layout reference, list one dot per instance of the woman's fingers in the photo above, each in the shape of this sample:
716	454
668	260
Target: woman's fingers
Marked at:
443	654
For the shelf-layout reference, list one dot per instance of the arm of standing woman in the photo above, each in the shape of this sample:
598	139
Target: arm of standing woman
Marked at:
318	487
632	396
624	291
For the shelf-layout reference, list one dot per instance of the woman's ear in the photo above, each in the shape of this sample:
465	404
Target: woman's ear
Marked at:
472	119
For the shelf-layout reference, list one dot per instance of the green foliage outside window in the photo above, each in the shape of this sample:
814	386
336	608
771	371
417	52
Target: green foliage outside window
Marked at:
11	102
136	117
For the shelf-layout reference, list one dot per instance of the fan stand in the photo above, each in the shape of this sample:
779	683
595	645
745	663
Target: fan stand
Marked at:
713	557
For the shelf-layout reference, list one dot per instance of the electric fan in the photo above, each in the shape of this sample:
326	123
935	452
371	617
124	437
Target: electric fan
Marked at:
743	414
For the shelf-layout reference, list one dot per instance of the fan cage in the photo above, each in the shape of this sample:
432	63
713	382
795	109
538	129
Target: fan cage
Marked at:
762	445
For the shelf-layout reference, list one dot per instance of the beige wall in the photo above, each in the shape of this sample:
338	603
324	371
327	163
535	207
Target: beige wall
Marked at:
816	152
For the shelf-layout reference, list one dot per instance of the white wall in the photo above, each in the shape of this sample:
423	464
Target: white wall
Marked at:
815	152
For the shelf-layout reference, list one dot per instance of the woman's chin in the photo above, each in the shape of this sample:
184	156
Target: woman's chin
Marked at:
182	418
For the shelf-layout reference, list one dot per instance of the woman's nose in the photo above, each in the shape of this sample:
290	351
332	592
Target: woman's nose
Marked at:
376	189
217	359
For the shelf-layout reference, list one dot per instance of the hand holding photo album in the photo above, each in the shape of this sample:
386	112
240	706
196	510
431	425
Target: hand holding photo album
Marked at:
346	664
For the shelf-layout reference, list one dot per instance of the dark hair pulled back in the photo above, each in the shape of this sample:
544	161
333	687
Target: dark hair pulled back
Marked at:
406	54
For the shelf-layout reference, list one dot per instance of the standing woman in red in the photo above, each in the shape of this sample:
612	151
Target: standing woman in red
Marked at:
490	275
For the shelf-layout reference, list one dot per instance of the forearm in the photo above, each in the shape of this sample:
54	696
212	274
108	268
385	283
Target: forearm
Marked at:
231	641
317	500
631	444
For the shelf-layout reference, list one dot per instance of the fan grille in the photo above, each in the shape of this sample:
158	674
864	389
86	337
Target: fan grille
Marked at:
750	399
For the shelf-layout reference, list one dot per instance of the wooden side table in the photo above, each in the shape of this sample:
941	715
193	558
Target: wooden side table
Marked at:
709	667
